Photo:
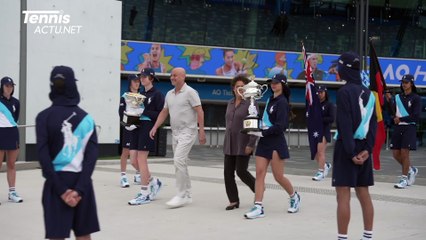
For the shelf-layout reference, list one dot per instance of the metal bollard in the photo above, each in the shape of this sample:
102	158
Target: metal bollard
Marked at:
298	138
211	137
217	137
289	138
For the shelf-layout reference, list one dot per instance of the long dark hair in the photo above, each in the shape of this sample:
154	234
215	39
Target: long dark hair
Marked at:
286	91
413	87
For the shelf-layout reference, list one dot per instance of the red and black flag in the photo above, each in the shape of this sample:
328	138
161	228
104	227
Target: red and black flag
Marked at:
377	86
313	108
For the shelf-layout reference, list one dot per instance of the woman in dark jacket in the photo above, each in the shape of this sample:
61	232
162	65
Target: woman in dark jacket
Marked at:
237	147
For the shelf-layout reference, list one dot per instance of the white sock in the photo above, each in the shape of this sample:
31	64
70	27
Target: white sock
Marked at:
144	190
12	189
342	236
368	235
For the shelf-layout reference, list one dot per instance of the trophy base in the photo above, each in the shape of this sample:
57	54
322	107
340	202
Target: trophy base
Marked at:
246	130
251	124
130	120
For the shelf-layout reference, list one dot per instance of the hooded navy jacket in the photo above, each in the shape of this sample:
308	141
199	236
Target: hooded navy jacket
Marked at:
66	140
348	113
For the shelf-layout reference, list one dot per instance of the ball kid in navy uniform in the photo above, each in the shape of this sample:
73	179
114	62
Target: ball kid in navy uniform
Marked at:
67	148
272	147
352	164
9	140
328	116
408	108
152	106
134	87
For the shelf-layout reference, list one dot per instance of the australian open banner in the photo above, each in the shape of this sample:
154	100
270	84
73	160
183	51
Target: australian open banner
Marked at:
214	61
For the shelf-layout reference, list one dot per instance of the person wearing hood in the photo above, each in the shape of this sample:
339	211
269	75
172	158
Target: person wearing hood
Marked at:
352	164
134	86
142	143
408	107
272	147
67	148
9	142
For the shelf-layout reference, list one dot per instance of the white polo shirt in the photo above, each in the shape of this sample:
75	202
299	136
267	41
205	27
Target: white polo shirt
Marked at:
181	108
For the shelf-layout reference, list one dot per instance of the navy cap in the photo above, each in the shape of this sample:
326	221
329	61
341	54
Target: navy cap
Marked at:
407	78
322	88
278	78
133	77
149	72
62	72
350	60
7	80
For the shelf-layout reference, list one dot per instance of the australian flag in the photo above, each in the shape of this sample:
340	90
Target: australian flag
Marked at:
313	108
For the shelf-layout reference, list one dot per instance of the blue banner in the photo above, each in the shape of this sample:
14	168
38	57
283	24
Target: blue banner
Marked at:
212	61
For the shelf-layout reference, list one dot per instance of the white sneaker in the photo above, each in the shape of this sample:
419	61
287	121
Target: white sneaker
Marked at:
178	201
14	197
255	212
155	186
137	179
319	176
294	203
327	168
124	182
412	175
140	199
403	183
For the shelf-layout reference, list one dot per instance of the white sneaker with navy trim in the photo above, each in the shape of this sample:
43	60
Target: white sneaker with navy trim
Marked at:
124	182
255	212
412	175
14	197
294	203
137	179
155	186
403	183
140	199
327	168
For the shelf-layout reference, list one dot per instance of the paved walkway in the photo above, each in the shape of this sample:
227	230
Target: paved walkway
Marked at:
399	213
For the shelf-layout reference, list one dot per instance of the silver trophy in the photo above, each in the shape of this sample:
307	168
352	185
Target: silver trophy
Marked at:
133	108
252	91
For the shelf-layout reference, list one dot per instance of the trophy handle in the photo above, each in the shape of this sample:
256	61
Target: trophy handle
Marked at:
264	86
239	92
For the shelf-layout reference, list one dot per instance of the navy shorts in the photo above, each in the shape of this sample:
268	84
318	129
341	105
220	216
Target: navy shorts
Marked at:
404	137
134	138
145	143
9	139
60	219
267	145
126	138
348	174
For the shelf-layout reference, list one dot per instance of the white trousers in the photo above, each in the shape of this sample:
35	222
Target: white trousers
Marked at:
182	142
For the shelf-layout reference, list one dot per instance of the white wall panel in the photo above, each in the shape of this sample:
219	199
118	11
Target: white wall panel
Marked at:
9	40
93	53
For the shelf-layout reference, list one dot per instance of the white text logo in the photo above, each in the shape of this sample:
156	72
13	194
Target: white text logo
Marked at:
51	22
